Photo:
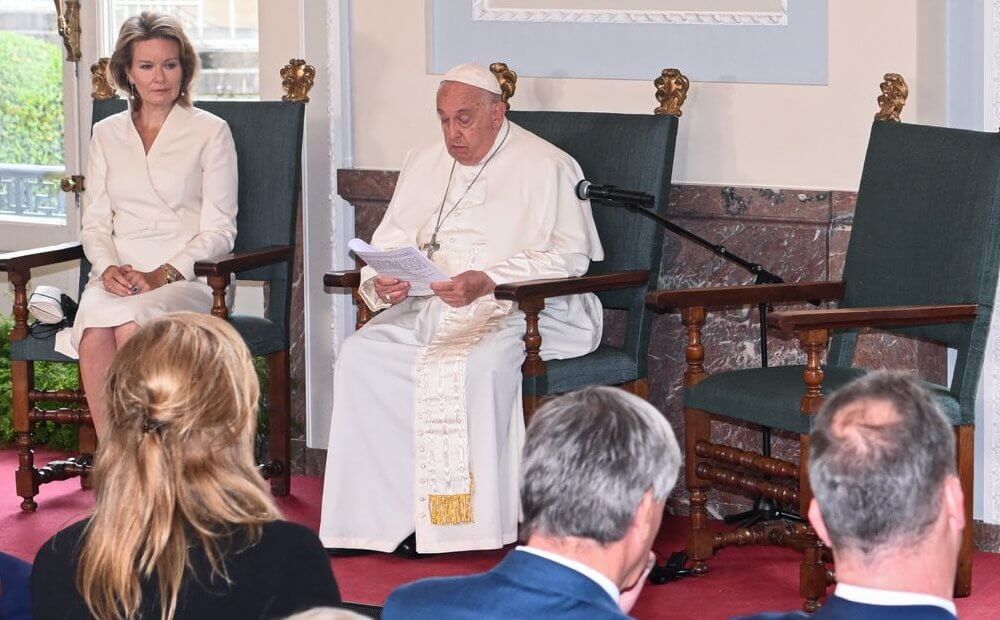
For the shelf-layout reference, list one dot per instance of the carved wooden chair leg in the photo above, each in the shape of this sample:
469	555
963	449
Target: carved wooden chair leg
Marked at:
639	387
701	545
965	447
26	478
533	365
812	573
279	436
88	447
697	427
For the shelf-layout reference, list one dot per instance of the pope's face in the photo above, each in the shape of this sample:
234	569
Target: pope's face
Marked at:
470	121
156	71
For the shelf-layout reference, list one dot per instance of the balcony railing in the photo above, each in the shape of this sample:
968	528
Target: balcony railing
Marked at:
32	192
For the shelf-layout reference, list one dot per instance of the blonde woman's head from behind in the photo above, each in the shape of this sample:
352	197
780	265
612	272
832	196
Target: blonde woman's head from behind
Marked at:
188	382
176	467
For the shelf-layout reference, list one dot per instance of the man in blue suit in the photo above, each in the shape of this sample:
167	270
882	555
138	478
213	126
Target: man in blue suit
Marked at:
887	500
597	467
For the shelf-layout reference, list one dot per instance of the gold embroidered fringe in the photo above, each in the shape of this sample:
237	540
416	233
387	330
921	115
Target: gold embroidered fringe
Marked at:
451	509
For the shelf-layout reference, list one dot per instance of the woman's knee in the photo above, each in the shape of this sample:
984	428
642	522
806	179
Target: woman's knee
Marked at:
124	332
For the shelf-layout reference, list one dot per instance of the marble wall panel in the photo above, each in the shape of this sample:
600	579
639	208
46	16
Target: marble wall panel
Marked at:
798	235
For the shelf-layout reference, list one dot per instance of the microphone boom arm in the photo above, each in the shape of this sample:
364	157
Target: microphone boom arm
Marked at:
763	275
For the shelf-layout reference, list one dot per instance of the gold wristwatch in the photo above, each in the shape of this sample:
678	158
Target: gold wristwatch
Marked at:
171	274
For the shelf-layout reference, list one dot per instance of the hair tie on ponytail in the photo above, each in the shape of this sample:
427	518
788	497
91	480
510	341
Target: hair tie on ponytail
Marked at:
149	425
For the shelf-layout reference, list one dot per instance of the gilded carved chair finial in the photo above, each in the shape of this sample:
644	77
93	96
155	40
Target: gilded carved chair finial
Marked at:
671	91
297	78
102	89
893	97
68	23
508	81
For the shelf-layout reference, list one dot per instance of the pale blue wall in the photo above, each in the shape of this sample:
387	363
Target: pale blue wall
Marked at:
793	54
966	61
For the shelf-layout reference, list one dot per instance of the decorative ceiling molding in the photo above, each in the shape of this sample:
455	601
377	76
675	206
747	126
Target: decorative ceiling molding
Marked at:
482	11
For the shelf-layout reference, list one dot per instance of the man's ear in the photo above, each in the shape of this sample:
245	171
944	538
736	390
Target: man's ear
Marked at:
953	503
816	519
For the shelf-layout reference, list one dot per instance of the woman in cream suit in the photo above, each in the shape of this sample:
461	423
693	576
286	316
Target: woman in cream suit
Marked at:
161	195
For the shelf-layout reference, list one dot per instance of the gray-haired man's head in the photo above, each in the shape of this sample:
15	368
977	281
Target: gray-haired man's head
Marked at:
880	453
589	459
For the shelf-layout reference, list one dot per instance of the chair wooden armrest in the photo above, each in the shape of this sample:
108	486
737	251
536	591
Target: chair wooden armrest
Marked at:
241	261
539	290
219	270
674	300
23	261
18	265
342	279
793	321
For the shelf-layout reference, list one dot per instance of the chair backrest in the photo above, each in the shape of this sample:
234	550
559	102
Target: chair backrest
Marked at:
268	137
927	231
633	151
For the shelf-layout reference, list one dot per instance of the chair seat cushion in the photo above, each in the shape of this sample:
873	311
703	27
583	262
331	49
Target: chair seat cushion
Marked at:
262	336
606	366
37	350
773	396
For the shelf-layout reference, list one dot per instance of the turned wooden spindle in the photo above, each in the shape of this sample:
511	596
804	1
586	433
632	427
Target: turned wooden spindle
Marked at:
757	486
813	342
219	285
693	320
813	574
534	365
747	460
20	283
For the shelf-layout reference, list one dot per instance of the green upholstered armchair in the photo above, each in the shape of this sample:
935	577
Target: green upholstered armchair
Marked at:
635	151
922	262
269	167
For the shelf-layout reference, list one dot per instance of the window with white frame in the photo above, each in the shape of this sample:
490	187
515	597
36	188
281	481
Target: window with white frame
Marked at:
223	31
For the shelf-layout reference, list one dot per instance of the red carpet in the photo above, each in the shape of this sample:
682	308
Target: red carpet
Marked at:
742	580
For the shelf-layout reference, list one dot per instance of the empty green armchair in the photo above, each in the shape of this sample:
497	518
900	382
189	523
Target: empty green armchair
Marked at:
922	262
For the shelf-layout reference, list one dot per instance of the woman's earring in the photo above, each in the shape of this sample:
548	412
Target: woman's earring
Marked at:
131	86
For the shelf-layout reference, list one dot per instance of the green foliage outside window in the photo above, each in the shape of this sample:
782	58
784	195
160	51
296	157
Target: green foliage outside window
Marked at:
31	101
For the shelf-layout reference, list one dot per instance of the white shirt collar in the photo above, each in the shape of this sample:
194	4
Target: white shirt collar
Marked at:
872	596
594	575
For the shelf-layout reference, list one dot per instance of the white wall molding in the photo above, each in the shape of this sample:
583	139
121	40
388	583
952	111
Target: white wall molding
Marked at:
483	10
987	487
991	76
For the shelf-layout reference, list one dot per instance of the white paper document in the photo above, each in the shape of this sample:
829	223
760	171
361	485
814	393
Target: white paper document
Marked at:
407	263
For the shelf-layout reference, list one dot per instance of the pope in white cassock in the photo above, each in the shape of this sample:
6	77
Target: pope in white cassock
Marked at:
427	427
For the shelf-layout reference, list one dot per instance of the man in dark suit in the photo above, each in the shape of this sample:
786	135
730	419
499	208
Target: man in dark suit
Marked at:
597	467
887	500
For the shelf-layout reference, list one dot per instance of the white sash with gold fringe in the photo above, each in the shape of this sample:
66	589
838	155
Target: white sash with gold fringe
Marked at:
442	421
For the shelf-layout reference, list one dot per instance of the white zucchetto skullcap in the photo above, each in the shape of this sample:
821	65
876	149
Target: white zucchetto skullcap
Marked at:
473	75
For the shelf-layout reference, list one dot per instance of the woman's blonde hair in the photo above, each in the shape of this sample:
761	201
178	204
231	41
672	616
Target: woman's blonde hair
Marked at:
143	27
176	468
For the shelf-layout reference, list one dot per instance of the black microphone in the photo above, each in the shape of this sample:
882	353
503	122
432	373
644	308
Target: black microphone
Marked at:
585	190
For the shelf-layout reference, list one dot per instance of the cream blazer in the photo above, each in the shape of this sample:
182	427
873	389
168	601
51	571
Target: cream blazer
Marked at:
176	204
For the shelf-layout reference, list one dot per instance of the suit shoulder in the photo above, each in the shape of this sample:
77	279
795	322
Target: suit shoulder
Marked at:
206	118
776	615
430	598
62	548
111	123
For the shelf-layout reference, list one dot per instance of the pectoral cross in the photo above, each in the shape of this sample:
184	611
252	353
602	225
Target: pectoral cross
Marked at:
431	247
